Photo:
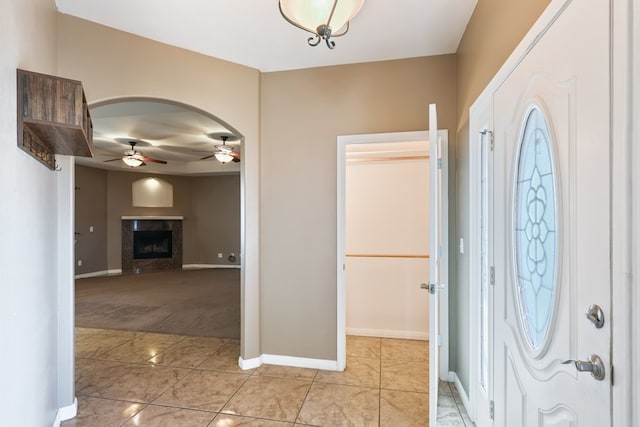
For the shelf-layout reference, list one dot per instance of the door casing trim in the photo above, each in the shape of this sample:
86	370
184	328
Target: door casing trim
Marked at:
343	141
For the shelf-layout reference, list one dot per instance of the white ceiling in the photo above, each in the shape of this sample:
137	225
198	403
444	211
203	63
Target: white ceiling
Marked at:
252	32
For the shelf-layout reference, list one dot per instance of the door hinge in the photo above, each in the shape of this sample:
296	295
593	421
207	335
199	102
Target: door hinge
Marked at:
492	275
491	410
491	140
440	163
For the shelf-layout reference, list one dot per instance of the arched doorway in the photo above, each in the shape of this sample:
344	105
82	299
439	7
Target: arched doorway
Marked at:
175	140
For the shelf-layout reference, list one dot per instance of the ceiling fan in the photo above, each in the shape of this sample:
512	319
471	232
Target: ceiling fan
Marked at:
134	158
224	153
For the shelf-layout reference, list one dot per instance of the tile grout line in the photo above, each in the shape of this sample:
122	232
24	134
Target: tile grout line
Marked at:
192	370
313	380
136	413
248	377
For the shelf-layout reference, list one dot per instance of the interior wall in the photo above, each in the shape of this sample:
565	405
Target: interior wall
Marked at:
210	206
387	213
214	225
495	29
303	112
114	64
37	375
90	212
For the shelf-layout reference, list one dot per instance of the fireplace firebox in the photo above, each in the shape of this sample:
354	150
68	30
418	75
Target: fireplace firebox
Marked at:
152	244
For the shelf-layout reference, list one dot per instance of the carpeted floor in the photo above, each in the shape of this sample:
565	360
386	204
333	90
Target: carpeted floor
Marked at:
183	302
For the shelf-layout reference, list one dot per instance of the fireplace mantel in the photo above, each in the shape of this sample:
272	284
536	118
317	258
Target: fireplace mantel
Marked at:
165	217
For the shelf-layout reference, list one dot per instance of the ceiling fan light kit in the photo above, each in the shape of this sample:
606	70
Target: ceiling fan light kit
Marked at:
320	17
132	161
134	158
223	157
224	153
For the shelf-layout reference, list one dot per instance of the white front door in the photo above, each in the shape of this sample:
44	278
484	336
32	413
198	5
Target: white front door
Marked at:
552	227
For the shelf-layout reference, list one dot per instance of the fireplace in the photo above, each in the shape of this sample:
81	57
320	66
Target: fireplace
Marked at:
152	244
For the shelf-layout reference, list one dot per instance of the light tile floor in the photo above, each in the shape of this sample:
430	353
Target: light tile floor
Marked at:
146	379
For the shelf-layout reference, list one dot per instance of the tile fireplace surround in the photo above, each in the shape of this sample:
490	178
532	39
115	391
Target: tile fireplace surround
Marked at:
151	223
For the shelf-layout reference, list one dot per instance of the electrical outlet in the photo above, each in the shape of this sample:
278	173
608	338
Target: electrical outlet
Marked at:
220	255
79	263
91	229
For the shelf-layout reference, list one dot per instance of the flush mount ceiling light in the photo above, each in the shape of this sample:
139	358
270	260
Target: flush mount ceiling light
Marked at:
320	17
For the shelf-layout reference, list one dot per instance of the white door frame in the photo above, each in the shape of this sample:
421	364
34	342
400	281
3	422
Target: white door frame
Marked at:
343	141
625	209
625	204
481	119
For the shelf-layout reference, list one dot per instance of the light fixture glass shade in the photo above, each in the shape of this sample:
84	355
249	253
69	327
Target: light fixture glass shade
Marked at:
223	157
313	13
132	161
323	18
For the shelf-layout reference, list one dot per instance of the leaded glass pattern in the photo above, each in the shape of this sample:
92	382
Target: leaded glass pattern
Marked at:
535	229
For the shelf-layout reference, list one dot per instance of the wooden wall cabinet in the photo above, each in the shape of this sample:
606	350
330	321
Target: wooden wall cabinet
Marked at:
53	117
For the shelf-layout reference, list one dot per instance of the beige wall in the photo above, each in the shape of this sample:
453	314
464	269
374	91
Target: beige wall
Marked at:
91	211
210	206
114	64
495	29
36	283
214	221
303	112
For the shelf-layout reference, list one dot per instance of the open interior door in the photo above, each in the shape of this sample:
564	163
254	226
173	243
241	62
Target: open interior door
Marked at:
435	213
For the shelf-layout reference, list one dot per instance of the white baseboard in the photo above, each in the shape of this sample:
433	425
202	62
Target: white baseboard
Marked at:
386	333
296	362
201	266
66	413
463	394
99	273
256	362
184	267
300	362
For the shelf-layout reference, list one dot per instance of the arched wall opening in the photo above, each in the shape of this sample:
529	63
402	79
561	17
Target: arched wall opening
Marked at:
218	126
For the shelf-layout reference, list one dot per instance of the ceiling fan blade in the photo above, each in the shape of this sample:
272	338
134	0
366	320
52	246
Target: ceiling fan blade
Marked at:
236	159
207	157
150	160
113	160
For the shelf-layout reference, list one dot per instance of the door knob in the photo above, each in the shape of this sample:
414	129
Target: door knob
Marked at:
432	287
595	315
593	365
428	287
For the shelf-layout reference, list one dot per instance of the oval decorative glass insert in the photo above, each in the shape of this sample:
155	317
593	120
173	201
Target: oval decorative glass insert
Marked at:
535	230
